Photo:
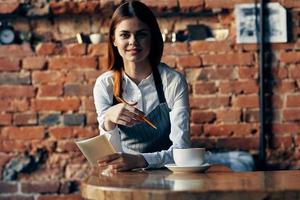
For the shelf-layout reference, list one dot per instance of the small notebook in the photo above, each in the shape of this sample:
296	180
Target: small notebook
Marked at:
95	148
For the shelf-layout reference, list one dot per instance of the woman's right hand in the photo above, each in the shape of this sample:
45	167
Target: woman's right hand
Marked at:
122	114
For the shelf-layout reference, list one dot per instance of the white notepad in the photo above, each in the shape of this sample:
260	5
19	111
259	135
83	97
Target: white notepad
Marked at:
95	148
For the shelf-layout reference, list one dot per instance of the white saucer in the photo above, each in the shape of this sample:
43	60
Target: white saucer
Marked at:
179	169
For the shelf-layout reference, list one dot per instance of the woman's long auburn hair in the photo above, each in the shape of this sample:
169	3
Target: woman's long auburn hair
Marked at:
115	62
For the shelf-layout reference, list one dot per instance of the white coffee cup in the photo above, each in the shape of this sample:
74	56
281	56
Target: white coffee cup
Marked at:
190	157
96	38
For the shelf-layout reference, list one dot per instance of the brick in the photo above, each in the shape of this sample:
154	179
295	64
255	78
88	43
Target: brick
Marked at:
14	105
169	60
53	90
98	49
34	63
251	116
228	59
23	133
45	49
92	75
284	142
16	91
280	72
284	86
25	118
188	62
78	90
289	57
196	130
293	101
76	171
282	46
18	51
47	77
15	146
220	73
231	129
9	64
74	76
5	119
290	3
294	71
224	3
60	197
247	72
16	197
8	187
291	115
61	132
209	102
103	62
47	145
75	49
91	118
64	104
238	87
74	119
161	5
203	116
188	5
49	119
246	47
8	7
246	101
70	132
229	115
85	132
66	146
72	62
40	187
13	78
208	143
204	88
244	143
88	104
177	48
285	128
207	46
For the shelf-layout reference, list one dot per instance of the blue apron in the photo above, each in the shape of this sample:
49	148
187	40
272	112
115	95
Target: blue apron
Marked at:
142	138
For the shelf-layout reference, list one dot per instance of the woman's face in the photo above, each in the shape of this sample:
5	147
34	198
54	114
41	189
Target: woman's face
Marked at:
132	38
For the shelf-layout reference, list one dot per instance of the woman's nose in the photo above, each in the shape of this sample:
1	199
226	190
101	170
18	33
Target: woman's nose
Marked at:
132	39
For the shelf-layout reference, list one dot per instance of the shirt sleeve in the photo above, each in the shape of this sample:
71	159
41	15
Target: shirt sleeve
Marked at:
103	101
179	118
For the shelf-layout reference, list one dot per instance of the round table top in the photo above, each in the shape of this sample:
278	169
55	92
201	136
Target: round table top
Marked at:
165	184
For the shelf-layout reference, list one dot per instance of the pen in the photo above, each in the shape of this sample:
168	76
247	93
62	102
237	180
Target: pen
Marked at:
142	116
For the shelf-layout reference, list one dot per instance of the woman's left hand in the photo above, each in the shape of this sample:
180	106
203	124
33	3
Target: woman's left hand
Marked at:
122	162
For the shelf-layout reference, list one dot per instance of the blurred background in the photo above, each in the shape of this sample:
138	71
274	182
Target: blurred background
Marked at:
51	53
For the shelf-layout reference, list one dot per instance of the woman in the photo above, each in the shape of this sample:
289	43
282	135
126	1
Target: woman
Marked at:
137	84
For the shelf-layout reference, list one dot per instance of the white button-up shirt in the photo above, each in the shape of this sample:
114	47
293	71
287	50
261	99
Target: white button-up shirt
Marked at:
176	94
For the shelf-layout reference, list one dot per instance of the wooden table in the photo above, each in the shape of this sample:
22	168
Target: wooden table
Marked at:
213	184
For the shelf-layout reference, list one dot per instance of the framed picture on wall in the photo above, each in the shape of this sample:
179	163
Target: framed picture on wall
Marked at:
247	23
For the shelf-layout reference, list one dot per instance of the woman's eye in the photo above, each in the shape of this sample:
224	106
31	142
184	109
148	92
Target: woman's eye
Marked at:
124	35
142	35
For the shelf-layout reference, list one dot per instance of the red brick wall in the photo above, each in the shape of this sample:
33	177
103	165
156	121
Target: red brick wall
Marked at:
46	92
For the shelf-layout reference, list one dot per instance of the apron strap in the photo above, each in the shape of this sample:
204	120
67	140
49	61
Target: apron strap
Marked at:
158	85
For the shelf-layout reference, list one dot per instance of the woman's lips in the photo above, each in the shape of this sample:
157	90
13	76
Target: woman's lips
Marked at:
134	51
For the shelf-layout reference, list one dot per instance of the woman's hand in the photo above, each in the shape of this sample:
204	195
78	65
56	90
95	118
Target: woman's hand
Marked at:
121	162
123	114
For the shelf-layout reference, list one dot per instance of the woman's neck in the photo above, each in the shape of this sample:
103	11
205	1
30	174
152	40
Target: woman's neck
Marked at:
137	71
